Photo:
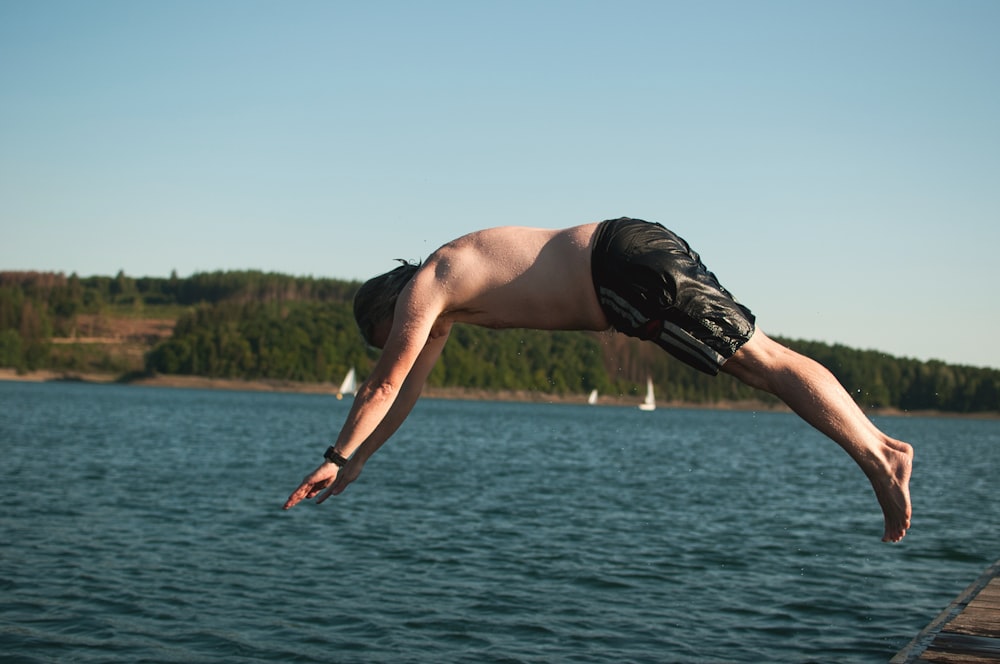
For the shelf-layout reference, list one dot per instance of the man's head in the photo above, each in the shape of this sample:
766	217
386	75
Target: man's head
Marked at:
375	301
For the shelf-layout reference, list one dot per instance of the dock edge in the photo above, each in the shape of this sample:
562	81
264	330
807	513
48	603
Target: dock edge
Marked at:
923	640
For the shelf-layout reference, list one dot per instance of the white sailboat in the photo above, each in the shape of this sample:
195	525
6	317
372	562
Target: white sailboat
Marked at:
592	399
649	403
349	386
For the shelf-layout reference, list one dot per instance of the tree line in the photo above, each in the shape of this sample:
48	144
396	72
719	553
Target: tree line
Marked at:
255	325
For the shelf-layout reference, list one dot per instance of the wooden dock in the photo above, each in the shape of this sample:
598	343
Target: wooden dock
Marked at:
967	632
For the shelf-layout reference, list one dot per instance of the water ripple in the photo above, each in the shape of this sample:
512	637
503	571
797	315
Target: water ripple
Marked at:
527	533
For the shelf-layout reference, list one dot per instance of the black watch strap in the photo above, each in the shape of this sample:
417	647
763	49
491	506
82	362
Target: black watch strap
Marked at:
334	458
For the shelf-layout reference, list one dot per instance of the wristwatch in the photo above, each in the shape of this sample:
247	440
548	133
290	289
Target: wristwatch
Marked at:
334	458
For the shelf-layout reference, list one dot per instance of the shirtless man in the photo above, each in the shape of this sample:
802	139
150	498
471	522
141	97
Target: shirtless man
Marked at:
634	276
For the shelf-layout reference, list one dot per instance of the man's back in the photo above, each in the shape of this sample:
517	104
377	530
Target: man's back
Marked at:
517	277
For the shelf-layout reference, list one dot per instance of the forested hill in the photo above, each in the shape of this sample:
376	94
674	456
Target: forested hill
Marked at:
254	325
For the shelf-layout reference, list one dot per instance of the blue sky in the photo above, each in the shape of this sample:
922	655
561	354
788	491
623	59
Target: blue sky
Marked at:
837	164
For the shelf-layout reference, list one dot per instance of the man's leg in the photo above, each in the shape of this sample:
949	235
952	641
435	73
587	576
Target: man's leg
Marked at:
814	393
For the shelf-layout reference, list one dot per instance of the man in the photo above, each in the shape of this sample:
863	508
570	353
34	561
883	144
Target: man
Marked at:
633	275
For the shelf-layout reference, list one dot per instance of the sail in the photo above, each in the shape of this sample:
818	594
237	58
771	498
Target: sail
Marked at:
649	403
592	399
349	386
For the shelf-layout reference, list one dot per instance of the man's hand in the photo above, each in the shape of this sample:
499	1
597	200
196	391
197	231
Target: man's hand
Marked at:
347	474
326	475
313	483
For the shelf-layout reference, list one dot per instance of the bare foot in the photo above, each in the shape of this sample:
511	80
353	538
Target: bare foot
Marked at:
893	490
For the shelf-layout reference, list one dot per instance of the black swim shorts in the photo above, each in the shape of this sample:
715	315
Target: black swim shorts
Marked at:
651	285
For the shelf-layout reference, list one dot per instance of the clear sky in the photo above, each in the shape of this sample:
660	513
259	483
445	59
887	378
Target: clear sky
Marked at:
837	164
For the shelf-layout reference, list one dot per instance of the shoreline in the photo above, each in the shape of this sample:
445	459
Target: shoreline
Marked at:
452	393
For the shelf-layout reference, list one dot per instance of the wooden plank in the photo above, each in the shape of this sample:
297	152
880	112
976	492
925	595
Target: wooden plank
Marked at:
982	615
961	648
967	632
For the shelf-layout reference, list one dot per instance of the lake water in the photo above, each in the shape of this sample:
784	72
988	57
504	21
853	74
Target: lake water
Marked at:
145	524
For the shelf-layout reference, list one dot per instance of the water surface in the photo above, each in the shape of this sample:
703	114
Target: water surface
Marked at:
144	524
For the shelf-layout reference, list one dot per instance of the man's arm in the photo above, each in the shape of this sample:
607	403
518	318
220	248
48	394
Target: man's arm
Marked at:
337	479
413	346
413	340
397	414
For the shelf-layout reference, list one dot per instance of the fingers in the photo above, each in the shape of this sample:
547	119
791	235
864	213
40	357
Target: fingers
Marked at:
294	499
318	486
306	490
320	480
327	494
336	488
315	482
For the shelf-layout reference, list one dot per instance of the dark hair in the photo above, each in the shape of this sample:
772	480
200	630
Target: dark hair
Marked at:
375	301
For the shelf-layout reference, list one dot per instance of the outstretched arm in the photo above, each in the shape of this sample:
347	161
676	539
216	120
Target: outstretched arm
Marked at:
382	402
397	414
